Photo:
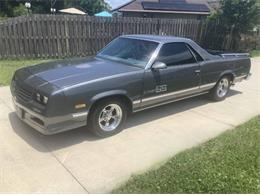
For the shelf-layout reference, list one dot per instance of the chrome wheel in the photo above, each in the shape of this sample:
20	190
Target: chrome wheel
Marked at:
222	87
110	117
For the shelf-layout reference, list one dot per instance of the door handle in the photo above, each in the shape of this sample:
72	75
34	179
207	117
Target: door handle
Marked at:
197	71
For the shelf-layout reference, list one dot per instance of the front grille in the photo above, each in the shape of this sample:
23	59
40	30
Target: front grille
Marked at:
22	93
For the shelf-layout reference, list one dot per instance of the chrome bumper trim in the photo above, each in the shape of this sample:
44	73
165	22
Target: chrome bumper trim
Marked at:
51	125
81	114
248	76
240	78
137	102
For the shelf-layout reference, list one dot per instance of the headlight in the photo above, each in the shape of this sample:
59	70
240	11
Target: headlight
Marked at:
41	98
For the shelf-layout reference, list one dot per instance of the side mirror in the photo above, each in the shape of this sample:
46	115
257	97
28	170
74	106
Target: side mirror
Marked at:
159	65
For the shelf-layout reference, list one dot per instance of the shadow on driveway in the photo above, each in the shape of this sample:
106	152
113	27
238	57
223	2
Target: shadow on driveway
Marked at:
69	138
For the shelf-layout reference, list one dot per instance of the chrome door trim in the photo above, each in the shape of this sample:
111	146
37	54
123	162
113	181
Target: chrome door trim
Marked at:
209	85
202	87
170	101
169	94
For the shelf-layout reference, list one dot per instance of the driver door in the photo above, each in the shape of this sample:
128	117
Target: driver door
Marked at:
181	77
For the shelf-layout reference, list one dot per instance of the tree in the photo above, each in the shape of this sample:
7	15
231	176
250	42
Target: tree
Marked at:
20	10
15	7
241	15
44	6
6	7
234	18
90	6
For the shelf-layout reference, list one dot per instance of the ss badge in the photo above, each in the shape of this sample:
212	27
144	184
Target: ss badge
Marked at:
160	88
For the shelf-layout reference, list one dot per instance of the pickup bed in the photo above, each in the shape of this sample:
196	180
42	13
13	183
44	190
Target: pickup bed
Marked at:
132	73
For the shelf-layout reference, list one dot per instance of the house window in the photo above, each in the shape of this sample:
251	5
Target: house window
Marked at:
199	17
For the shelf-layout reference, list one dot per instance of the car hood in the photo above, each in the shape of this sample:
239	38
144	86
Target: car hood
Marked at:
64	73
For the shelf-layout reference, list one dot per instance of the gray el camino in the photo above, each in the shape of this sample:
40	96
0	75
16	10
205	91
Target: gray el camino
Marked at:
132	73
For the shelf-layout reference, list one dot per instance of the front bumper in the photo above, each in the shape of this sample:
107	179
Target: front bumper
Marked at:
50	125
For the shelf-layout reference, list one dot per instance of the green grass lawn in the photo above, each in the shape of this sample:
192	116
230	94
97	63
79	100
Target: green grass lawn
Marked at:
229	163
7	68
255	53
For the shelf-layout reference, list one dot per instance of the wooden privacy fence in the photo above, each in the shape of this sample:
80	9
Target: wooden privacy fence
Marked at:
65	35
50	36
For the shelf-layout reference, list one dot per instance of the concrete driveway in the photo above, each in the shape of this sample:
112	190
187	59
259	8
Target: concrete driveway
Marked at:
77	162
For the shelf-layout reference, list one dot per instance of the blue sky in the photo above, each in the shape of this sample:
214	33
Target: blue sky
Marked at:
116	3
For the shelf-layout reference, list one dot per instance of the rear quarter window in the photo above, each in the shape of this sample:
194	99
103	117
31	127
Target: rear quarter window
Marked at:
173	54
195	53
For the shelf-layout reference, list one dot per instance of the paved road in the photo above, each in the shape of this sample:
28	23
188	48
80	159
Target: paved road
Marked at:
77	162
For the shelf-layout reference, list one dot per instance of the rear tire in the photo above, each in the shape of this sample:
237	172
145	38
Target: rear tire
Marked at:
108	117
220	91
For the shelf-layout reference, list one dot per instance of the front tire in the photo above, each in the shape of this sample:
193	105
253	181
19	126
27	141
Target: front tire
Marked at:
108	117
220	91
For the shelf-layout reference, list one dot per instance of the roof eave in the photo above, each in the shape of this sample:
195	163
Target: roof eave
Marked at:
121	6
160	11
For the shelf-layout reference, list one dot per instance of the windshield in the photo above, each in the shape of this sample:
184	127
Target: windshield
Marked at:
131	51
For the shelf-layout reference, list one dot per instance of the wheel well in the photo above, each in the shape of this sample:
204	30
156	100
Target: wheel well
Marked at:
230	75
123	98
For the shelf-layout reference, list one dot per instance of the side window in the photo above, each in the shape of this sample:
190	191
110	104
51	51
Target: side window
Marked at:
175	54
197	56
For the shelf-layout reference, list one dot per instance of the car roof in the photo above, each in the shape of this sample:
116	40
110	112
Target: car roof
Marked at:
157	38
